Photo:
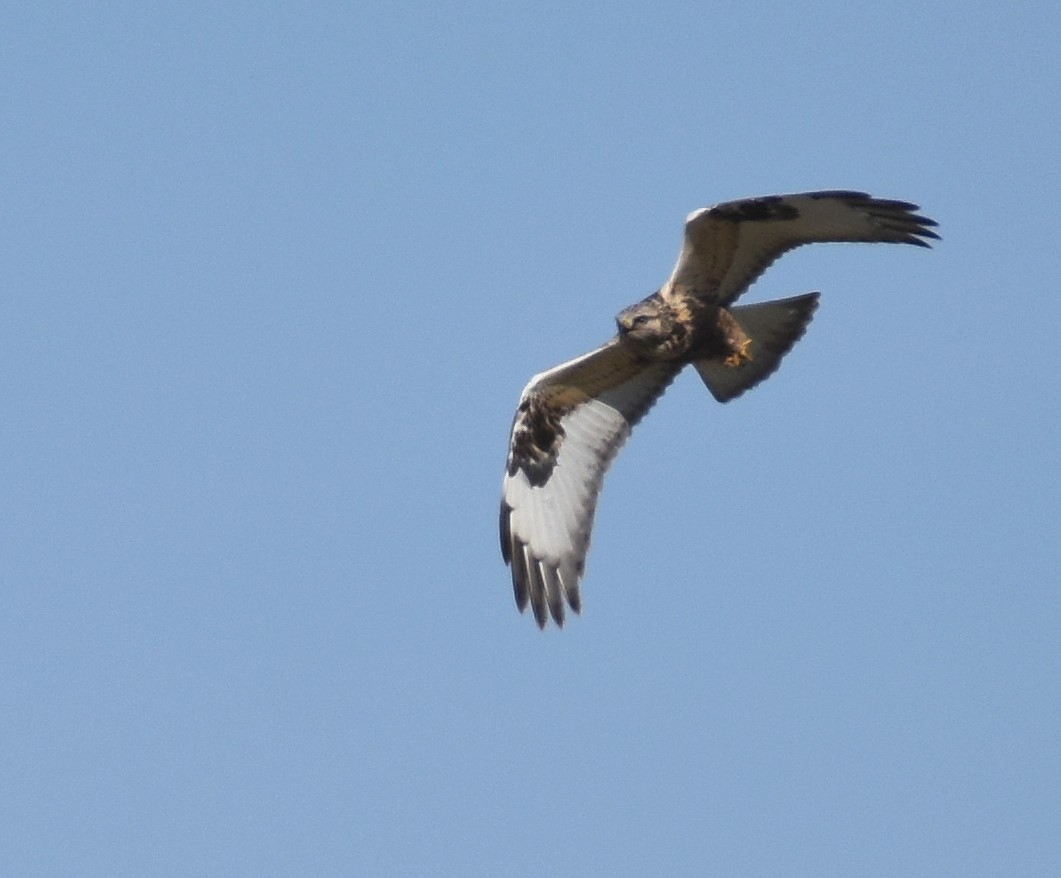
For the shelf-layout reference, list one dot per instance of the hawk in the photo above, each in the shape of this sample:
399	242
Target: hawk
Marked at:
572	419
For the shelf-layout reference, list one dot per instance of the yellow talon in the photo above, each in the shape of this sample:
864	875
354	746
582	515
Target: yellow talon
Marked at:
739	356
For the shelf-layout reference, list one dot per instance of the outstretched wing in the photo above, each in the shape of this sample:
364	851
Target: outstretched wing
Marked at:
571	422
729	245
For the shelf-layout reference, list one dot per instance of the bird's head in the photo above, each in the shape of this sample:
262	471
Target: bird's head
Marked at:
648	322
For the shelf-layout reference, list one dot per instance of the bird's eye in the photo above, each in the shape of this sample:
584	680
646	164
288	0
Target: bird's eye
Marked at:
640	320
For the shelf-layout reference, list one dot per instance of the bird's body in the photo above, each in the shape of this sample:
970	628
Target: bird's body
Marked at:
681	329
572	420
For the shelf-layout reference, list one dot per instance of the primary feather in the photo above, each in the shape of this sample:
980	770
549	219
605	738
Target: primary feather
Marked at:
573	419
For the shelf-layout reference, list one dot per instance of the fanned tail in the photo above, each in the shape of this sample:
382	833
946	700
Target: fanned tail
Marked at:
773	327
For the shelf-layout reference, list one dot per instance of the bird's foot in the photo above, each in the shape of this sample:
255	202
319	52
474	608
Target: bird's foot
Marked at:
739	356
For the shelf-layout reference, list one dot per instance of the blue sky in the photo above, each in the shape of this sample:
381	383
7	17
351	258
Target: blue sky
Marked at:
273	278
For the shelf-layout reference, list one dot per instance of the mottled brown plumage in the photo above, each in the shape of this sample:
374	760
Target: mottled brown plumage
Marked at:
572	420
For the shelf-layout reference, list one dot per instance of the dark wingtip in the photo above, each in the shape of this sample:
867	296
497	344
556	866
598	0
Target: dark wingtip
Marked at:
520	591
919	238
900	217
505	533
922	230
919	242
918	228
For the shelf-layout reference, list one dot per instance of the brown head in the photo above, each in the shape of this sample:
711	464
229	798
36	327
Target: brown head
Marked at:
648	323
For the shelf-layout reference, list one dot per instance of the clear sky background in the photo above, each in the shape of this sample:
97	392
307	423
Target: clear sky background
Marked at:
271	280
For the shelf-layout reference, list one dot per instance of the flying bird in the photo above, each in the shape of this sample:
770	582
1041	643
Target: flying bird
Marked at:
572	419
